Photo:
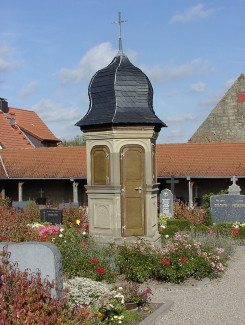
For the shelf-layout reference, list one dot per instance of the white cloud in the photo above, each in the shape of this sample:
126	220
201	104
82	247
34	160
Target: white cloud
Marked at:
6	61
198	87
55	112
180	118
168	74
211	102
229	83
192	14
29	89
172	93
96	58
176	133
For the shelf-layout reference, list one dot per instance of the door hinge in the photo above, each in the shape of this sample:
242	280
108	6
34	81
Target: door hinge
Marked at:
123	190
107	179
122	155
123	228
107	155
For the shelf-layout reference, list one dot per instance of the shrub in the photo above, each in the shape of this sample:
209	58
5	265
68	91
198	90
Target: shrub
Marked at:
136	260
170	231
84	291
181	224
24	296
182	211
14	225
82	257
32	212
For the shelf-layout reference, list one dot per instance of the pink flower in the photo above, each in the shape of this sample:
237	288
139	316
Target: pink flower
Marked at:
235	231
220	267
220	250
177	236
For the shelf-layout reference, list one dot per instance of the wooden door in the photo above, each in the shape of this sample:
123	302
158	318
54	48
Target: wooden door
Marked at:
133	190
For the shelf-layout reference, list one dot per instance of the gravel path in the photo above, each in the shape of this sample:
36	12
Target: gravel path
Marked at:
220	301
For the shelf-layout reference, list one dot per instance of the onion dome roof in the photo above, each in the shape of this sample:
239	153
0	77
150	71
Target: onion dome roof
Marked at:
120	94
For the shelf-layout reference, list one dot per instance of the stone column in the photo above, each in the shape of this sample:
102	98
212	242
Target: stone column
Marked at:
20	191
190	191
75	192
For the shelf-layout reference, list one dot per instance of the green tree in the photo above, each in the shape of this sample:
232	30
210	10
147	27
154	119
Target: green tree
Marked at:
78	140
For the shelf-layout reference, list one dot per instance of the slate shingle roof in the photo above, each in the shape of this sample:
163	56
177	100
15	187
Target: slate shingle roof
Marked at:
180	160
120	94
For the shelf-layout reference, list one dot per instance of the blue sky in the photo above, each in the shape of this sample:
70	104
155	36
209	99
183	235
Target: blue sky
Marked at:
192	52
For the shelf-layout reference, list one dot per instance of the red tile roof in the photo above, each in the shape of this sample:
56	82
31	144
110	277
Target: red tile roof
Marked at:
54	162
180	160
29	121
11	136
201	159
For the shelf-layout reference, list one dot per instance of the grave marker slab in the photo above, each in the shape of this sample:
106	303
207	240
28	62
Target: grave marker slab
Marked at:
51	215
19	205
166	202
37	257
228	208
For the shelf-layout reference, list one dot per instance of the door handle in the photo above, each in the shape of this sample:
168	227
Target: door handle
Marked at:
138	189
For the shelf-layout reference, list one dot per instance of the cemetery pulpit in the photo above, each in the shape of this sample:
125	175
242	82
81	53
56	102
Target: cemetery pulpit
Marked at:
120	129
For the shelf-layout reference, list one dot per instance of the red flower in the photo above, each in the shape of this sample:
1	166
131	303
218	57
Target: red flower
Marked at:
210	230
235	231
94	260
183	259
85	240
100	269
28	234
165	261
1	196
4	238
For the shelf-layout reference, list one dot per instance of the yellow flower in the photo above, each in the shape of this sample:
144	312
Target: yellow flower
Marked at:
78	222
99	314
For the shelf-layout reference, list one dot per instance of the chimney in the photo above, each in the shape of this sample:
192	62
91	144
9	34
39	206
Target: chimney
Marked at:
4	105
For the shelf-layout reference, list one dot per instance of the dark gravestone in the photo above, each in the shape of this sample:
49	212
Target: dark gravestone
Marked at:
228	208
166	202
51	215
19	205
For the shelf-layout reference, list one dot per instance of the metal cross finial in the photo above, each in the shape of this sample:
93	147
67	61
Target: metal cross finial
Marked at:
119	22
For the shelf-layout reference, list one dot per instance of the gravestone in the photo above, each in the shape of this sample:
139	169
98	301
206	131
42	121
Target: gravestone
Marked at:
67	205
19	205
37	257
51	215
166	202
228	208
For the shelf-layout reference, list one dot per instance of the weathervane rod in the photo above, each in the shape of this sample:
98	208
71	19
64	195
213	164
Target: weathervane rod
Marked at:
119	22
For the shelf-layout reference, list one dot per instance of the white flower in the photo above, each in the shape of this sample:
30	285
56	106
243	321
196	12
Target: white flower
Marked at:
61	229
162	226
84	232
120	288
60	235
166	236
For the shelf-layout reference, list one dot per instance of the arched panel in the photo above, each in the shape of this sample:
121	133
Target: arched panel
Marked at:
100	165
